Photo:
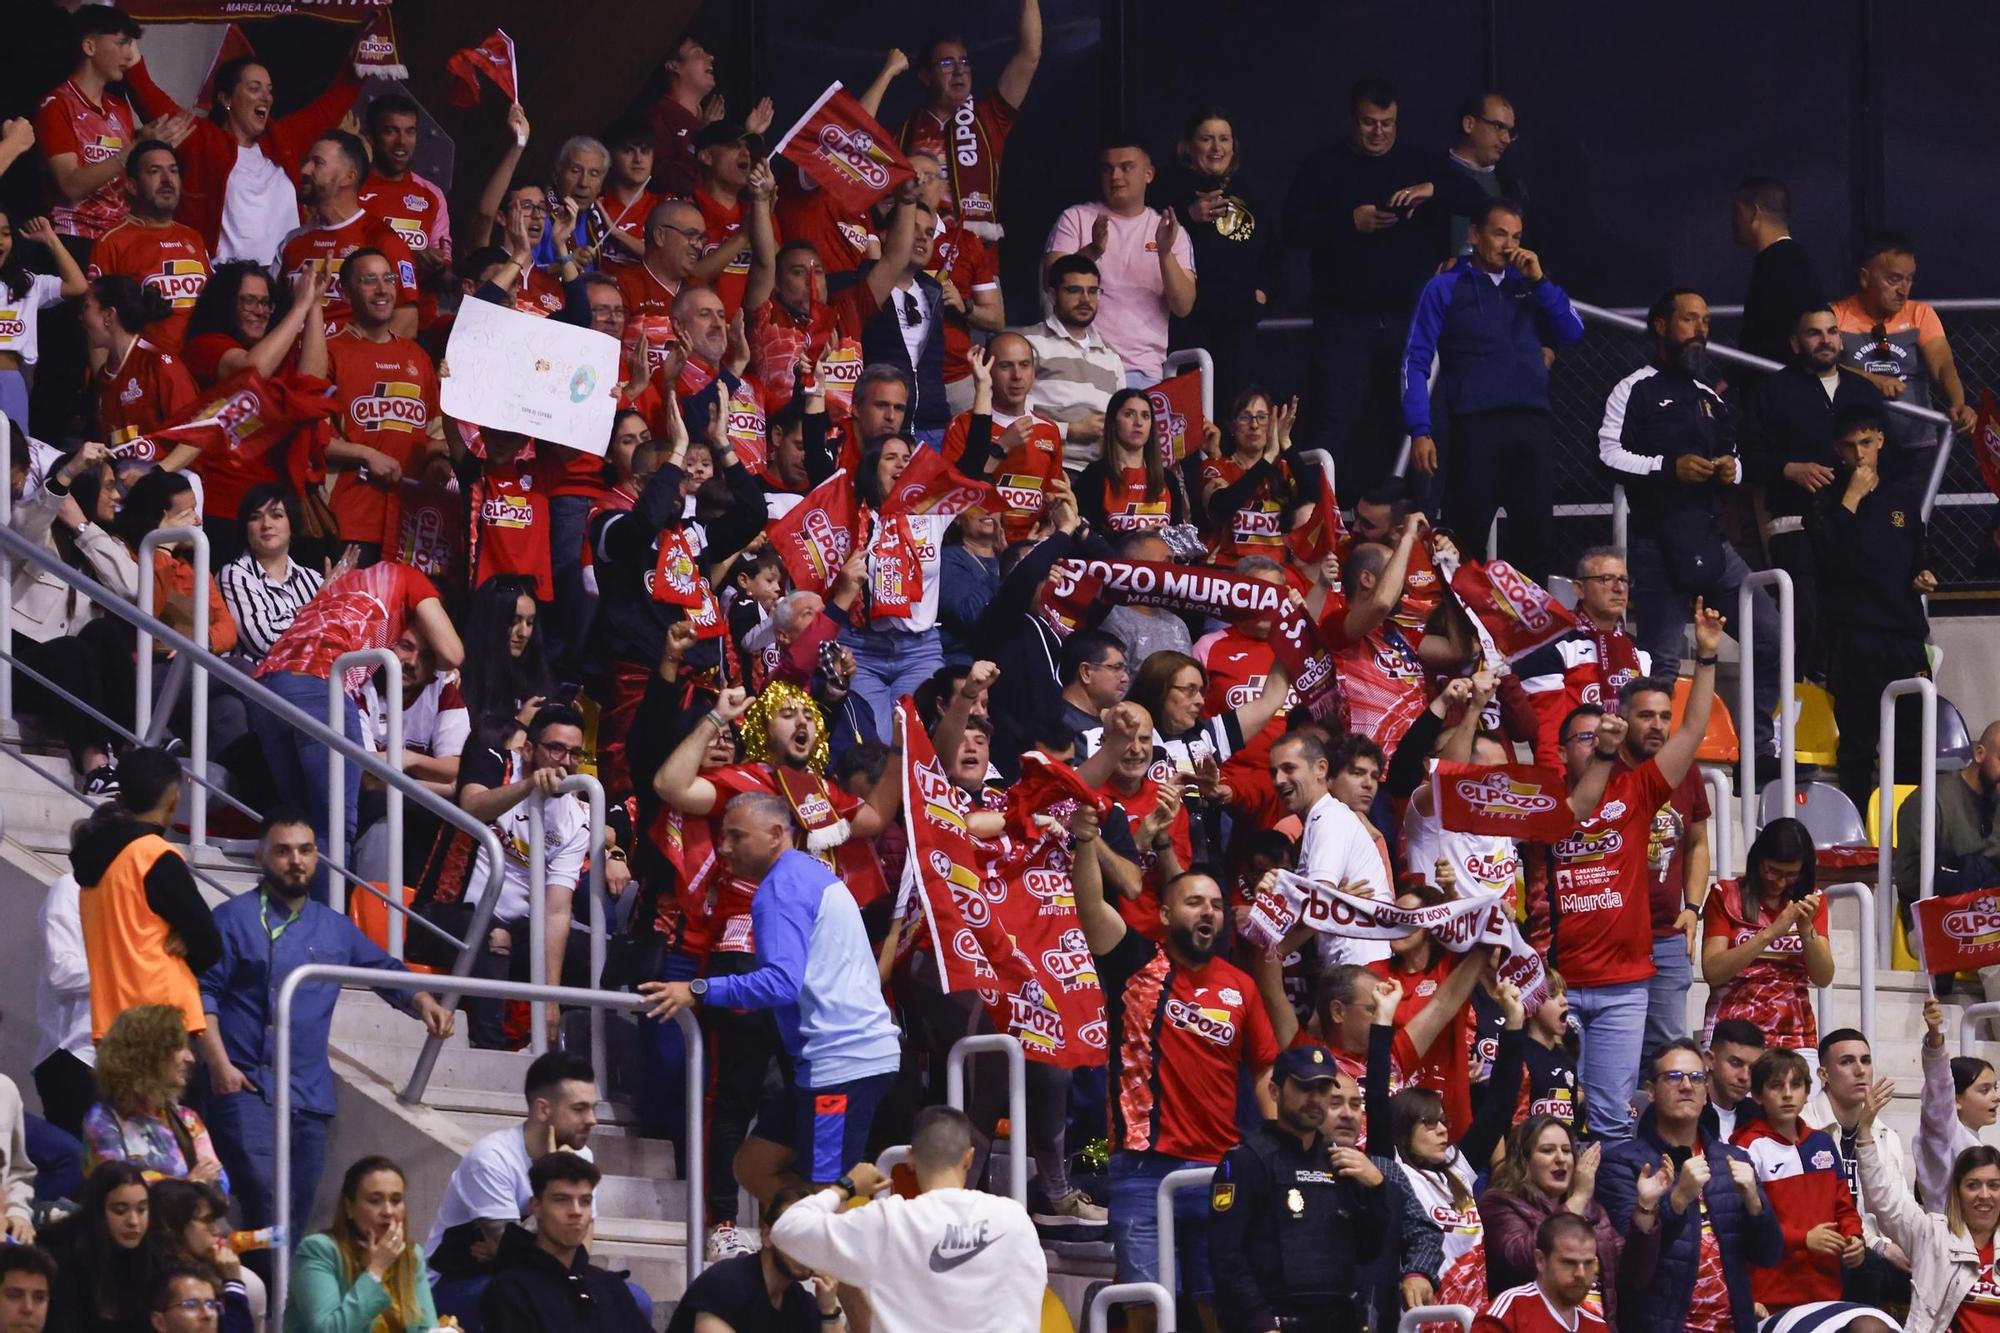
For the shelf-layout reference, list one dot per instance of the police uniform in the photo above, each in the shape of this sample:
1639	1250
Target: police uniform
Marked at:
1287	1237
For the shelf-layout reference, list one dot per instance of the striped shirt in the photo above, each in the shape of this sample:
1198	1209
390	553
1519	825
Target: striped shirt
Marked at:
1073	378
264	607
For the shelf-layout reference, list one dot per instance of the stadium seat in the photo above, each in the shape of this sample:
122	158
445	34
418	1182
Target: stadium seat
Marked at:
1901	958
1815	737
371	914
1903	791
1720	745
1954	738
1055	1318
1822	807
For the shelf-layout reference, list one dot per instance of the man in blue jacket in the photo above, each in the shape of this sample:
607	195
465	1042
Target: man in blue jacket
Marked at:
1487	322
1699	1243
817	974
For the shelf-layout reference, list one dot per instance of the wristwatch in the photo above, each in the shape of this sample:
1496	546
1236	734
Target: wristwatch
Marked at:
698	988
846	1186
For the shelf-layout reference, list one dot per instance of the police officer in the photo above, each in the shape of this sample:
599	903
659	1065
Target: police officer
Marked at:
1293	1216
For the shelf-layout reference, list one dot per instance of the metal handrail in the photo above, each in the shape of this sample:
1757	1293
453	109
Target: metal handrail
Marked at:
1885	804
1172	1183
1414	1319
1017	1098
1969	1019
336	769
538	918
362	978
1722	829
1127	1293
1746	693
142	711
1865	946
237	679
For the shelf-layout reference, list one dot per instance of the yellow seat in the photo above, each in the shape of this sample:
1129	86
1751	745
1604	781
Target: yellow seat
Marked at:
1900	956
1055	1318
1815	737
1719	745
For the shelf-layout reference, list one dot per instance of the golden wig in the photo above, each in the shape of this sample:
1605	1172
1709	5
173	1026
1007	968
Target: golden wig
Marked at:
757	731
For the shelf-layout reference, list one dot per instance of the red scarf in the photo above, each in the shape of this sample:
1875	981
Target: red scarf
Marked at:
828	836
1617	657
973	164
896	575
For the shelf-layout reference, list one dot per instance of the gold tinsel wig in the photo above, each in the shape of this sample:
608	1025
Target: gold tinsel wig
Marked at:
757	731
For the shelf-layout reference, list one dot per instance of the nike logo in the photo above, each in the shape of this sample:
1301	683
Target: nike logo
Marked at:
967	1243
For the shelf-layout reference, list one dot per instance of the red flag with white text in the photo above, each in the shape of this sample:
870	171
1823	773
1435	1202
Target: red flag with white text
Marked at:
839	145
1959	932
1177	412
494	58
928	485
1515	611
1502	800
814	540
1326	533
245	414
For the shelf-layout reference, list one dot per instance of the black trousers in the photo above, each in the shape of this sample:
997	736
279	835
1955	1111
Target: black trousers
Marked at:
1490	459
741	1047
1862	663
67	1087
1793	553
1353	397
72	662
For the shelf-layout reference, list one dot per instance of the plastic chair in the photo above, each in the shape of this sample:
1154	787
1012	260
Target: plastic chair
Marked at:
1901	957
1954	738
1719	745
371	914
1902	794
1055	1317
1822	807
1815	736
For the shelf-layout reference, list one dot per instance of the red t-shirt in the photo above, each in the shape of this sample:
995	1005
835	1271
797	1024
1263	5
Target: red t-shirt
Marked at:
1603	913
839	238
649	311
363	608
204	354
722	221
1023	475
1774	992
148	389
1258	528
170	259
1979	1312
1708	1305
1237	665
1126	508
510	519
831	331
69	122
627	219
416	211
1384	685
388	396
363	231
676	170
962	259
1525	1309
1446	1067
1666	849
1143	912
985	121
1179	1038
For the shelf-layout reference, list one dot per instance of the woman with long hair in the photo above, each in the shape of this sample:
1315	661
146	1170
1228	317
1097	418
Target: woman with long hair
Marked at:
1543	1173
24	294
506	670
1248	493
142	1074
368	1240
1130	488
244	321
1764	944
190	1229
105	1265
1235	234
139	387
1961	1098
1950	1246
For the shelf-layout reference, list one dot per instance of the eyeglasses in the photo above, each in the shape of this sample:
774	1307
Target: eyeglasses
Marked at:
1614	580
1580	737
196	1304
949	63
1253	418
1184	689
255	302
1500	127
1692	1078
1119	668
692	235
1071	289
560	753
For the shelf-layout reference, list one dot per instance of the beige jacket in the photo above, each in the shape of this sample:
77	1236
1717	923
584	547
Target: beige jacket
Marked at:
1943	1265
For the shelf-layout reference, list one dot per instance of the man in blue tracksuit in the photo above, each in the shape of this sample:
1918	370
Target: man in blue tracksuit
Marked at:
1487	322
817	974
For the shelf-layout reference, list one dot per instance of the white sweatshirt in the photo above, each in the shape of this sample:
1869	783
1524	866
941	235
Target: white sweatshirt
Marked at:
951	1258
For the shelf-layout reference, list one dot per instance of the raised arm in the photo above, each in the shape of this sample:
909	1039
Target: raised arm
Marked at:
1369	611
1676	757
679	782
439	633
762	188
898	241
491	197
1020	70
870	98
1103	928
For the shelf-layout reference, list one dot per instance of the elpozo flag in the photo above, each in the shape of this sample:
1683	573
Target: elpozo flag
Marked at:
1960	932
1502	800
1516	612
843	150
494	58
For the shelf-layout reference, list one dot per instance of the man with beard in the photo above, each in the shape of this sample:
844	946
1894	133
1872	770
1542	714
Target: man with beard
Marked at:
266	935
1293	1215
330	193
1669	437
151	248
1184	1023
674	239
969	134
1677	859
1788	449
785	315
413	206
766	1290
1565	1275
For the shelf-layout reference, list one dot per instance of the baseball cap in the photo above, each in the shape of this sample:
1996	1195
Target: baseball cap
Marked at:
728	131
1305	1064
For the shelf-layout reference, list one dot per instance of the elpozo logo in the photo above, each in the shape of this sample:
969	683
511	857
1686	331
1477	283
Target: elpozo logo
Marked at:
394	405
1501	794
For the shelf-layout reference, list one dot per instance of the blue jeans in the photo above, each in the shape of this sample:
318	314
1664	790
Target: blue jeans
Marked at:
1613	1019
298	762
889	664
58	1160
245	1128
1135	1222
569	616
1667	995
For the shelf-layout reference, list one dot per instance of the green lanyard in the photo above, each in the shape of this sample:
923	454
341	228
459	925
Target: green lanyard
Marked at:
264	915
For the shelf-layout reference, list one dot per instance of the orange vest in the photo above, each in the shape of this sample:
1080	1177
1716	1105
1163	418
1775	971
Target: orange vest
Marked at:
126	943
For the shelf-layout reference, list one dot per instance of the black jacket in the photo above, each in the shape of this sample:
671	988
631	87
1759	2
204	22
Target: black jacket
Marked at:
1871	556
1233	266
1787	418
535	1294
882	340
1374	273
1653	417
1783	285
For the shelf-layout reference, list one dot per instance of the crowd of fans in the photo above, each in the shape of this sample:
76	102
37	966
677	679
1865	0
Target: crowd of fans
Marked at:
1392	1122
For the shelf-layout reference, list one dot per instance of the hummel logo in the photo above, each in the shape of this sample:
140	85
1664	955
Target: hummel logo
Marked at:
1665	402
960	1244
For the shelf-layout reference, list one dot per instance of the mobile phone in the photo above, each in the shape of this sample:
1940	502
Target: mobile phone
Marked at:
566	693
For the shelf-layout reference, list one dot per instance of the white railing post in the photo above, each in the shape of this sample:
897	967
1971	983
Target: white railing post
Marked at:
1885	804
1188	1177
1128	1293
1722	826
538	912
1199	358
336	778
1746	719
143	705
1969	1019
1017	1099
1621	519
1864	916
9	728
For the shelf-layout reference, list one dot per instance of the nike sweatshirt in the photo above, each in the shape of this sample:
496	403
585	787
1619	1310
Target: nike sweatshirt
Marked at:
954	1259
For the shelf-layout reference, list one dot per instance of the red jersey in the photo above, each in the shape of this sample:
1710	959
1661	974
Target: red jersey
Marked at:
970	145
676	170
838	237
1024	474
1666	849
1525	1309
649	311
1237	665
416	211
1806	1183
1179	1037
363	608
1384	685
628	219
1126	508
388	397
962	259
1979	1312
204	355
69	122
1603	914
1774	992
363	231
1143	912
147	390
1445	1067
536	293
1258	528
722	221
832	333
170	259
509	509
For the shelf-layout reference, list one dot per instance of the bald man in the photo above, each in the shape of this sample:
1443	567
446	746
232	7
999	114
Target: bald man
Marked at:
1024	452
1968	842
675	236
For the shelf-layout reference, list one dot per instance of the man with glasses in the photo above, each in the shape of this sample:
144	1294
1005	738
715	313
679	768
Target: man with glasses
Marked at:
184	1301
1591	663
1076	370
1714	1224
1095	675
969	135
1473	170
675	237
1899	346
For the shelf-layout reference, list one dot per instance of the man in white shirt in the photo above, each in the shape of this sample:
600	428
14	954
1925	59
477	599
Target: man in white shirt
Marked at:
1076	370
65	1056
1334	847
1846	1073
951	1258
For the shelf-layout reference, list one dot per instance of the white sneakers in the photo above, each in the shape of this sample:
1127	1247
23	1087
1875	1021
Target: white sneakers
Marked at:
726	1240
